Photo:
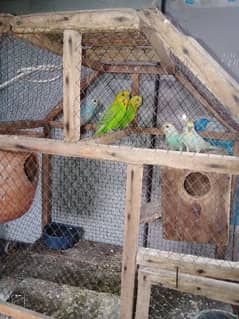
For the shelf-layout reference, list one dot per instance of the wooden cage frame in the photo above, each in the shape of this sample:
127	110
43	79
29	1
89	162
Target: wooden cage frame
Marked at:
163	37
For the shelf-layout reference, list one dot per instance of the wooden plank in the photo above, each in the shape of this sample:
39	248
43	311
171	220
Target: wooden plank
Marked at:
71	91
199	199
5	22
21	132
198	61
150	212
194	265
211	288
131	233
124	154
18	312
21	124
143	297
135	78
131	68
82	21
223	118
46	183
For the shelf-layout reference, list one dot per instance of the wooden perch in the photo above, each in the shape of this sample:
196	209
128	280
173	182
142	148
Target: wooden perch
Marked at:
21	124
109	137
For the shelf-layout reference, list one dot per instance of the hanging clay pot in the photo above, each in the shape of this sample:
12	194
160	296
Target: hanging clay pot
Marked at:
18	181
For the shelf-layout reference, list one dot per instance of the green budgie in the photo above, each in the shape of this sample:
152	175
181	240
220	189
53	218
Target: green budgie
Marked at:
134	103
113	116
172	137
194	142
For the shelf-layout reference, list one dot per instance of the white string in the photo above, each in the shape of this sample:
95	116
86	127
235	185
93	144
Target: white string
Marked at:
23	72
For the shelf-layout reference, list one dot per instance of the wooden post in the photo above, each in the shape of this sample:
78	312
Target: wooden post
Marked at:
72	54
131	232
235	241
46	182
135	84
143	297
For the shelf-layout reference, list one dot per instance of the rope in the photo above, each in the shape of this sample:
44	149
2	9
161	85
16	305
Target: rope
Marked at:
23	72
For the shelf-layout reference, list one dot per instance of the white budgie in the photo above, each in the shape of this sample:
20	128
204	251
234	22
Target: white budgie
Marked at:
194	142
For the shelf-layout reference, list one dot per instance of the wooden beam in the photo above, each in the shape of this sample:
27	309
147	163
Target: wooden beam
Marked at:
194	265
181	160
82	21
135	78
211	288
18	312
21	124
5	22
222	117
143	296
46	183
71	91
21	132
131	233
131	69
157	43
198	61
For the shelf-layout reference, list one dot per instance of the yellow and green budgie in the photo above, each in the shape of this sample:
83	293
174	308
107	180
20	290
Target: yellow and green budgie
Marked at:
114	114
134	103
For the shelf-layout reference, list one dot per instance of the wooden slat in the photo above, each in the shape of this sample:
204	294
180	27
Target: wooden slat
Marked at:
211	288
130	246
202	162
83	21
135	84
21	124
157	42
143	297
5	22
194	265
72	75
21	132
19	312
46	183
198	61
131	69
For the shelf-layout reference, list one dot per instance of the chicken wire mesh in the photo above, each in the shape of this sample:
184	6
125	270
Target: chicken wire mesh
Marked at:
184	211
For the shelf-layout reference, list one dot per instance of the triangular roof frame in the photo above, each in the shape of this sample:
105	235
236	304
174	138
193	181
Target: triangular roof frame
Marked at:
164	37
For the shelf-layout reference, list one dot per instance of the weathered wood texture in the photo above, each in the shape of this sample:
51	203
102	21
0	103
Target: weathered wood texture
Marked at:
191	54
72	76
194	265
150	212
195	206
83	21
46	183
143	296
5	22
130	246
19	312
203	162
212	288
21	124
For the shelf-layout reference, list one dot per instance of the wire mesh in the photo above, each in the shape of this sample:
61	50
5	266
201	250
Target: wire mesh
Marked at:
81	202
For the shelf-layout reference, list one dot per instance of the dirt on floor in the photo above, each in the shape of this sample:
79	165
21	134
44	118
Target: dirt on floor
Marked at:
57	280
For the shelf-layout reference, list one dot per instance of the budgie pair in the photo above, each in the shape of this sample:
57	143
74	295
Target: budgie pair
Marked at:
188	140
121	112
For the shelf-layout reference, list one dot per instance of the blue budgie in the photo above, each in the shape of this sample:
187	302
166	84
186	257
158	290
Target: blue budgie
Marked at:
172	137
194	142
88	110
